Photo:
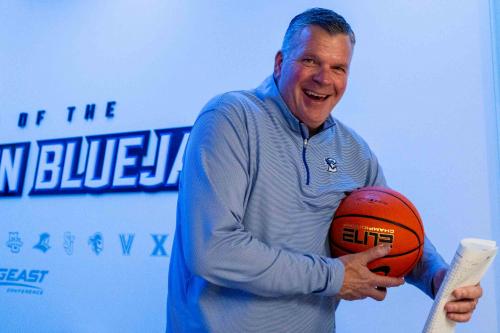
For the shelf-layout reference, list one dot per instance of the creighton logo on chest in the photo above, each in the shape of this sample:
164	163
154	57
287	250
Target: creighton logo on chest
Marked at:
332	164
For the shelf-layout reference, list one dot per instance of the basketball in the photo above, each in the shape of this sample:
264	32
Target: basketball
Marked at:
372	216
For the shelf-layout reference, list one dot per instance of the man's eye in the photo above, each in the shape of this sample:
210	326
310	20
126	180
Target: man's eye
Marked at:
339	69
308	61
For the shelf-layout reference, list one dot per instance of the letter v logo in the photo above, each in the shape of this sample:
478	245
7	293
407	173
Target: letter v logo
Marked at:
126	241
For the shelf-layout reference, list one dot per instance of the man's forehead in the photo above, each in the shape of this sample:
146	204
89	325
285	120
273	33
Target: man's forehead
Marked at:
313	39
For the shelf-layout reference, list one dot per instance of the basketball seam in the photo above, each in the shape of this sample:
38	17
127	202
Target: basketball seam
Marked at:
394	196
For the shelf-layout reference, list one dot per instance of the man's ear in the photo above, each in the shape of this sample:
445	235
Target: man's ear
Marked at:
278	61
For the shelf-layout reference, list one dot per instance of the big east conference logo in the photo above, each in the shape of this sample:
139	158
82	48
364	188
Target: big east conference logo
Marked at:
117	162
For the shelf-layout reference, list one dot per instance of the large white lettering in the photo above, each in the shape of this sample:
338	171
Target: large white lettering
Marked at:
49	166
13	159
107	163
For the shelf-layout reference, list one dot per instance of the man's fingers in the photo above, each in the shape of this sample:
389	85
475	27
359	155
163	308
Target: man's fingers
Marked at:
463	306
466	301
459	317
469	292
387	281
359	282
377	294
375	253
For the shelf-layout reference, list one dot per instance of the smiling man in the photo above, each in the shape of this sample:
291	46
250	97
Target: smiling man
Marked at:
264	172
312	73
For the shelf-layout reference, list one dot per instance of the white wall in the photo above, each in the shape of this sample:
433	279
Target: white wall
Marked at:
423	76
421	93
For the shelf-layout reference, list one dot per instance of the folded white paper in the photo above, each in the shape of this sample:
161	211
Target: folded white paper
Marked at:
471	261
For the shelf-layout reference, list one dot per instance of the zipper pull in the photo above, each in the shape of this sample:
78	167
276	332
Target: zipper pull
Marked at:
305	142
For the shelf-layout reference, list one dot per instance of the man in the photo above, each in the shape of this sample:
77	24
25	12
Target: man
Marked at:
256	199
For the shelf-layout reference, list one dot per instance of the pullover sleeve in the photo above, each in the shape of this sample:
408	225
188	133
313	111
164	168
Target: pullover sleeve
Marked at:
214	189
422	275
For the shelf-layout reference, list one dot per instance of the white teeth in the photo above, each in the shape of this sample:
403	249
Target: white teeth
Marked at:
312	93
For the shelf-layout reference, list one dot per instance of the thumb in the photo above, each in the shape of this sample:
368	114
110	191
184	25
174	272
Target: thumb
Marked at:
376	252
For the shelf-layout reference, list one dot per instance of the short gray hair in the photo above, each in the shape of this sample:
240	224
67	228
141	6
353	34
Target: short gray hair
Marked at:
326	19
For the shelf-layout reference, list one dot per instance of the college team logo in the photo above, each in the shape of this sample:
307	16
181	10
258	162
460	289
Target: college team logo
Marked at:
332	164
159	250
126	242
96	243
43	242
68	244
14	243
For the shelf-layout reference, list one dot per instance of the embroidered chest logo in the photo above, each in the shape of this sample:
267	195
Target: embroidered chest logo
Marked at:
332	164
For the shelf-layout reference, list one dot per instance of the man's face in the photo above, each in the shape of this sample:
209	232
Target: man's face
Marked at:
313	76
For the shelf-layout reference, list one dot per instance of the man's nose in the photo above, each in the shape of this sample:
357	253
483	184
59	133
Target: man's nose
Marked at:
323	76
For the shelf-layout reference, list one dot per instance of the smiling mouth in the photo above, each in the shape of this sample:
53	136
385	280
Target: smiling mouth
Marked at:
315	96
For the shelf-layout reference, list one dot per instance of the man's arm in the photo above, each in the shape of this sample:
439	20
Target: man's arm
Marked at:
427	267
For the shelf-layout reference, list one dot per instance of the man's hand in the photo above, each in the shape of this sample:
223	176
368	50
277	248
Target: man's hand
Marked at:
465	302
359	282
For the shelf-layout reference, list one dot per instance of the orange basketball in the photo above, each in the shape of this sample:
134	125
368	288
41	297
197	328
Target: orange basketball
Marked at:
372	216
